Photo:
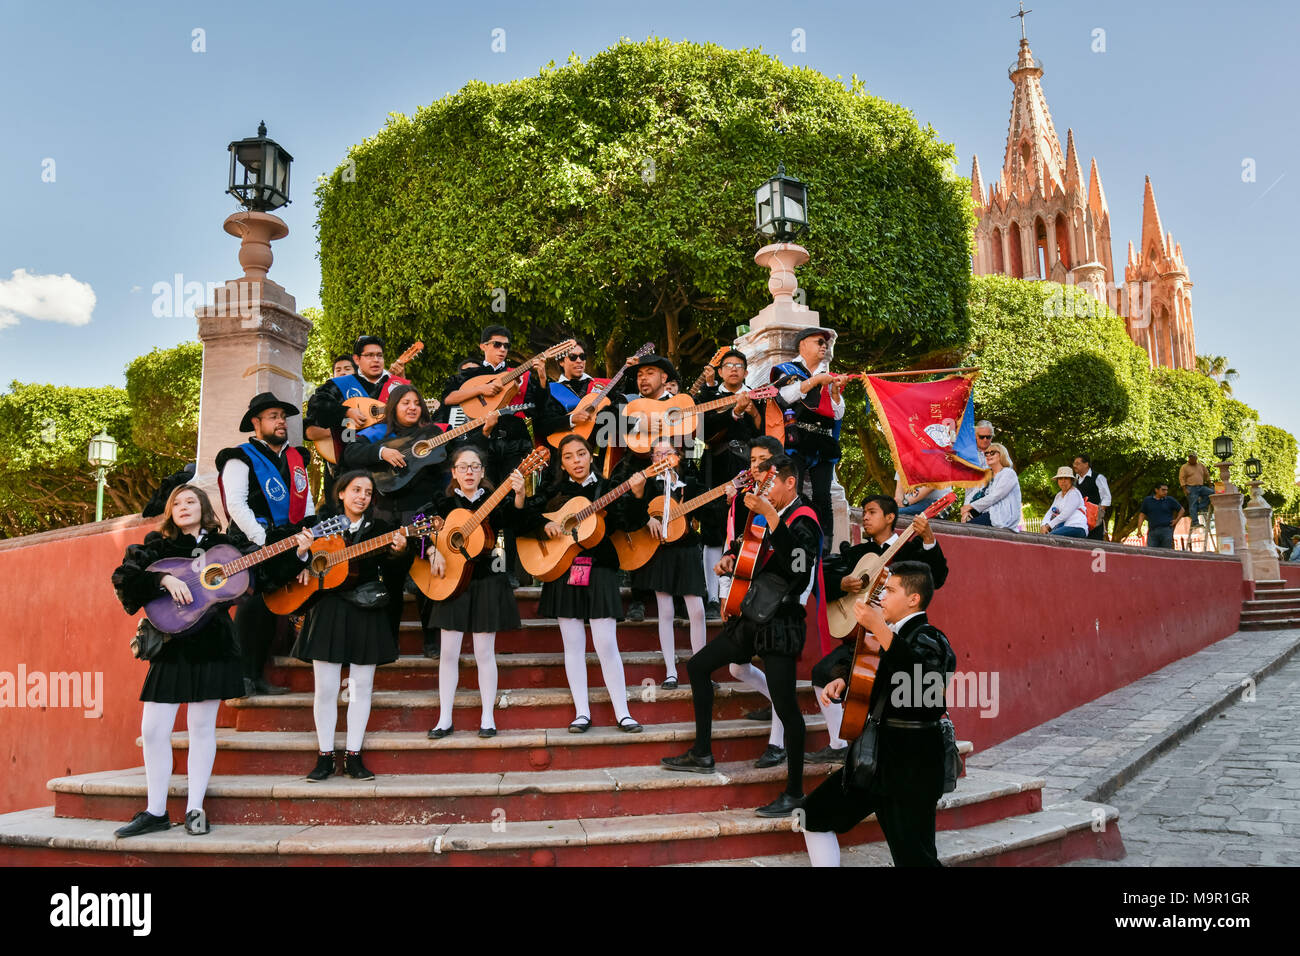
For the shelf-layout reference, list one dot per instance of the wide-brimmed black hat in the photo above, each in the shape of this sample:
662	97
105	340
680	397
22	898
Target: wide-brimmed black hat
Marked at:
260	403
827	334
659	362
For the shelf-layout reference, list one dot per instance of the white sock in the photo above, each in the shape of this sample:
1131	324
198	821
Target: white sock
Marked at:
486	658
574	635
201	721
448	675
156	725
756	679
361	685
711	557
834	714
823	848
667	636
328	677
604	634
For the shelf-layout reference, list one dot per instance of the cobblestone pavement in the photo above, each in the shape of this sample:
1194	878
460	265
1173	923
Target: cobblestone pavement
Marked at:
1228	795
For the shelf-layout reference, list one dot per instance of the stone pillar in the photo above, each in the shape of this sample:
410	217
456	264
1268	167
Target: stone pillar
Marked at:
771	341
1259	537
253	339
1230	522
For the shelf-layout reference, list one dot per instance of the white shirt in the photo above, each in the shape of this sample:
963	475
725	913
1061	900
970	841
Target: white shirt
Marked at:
496	368
793	393
1002	501
1070	510
898	625
591	479
234	479
478	493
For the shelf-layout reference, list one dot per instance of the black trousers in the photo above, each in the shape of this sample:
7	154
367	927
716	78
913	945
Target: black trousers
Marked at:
254	629
907	822
780	671
821	475
1099	533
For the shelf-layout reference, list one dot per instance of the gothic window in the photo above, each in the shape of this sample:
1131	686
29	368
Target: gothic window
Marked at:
1063	241
1041	255
999	265
1016	248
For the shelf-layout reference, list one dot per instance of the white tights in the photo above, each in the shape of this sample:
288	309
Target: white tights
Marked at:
711	557
449	674
823	848
156	728
667	641
834	714
604	635
361	684
755	678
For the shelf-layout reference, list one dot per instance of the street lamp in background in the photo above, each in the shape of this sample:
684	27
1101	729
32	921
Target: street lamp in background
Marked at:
1254	469
103	455
1223	451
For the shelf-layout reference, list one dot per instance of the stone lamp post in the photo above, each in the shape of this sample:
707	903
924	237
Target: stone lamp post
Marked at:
253	337
1229	520
1259	528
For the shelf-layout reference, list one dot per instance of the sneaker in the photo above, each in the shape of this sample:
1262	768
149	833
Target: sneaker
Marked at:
636	612
143	822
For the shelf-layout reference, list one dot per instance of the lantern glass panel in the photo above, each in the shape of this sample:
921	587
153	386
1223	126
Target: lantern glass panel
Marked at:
1254	467
1223	447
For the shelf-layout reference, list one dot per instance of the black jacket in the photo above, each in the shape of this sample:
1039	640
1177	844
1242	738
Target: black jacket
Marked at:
423	488
841	565
504	516
795	547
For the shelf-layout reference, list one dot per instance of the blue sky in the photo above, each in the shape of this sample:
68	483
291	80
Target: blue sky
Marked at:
136	124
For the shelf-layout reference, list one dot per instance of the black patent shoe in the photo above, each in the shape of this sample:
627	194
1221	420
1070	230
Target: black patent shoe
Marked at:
439	732
772	756
689	762
354	768
144	822
782	806
324	767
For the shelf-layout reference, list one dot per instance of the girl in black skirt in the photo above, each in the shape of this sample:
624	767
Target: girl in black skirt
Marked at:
487	605
597	601
199	669
347	625
677	569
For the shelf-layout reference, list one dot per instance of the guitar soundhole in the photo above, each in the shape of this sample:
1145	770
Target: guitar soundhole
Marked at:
213	578
319	563
456	540
421	449
569	525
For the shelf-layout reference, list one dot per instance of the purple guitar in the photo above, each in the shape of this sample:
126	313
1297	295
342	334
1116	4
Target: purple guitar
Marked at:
216	577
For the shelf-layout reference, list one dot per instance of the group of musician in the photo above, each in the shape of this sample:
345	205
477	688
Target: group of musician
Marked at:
757	454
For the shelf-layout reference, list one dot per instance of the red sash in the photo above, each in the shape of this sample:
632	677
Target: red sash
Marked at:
823	623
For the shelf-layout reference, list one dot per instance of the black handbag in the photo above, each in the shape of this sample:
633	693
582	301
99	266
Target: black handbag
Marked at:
148	641
765	594
861	761
367	596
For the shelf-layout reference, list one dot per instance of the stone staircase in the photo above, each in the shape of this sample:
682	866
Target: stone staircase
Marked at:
1274	606
533	795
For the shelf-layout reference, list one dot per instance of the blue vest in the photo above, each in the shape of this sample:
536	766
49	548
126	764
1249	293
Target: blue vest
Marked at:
350	387
272	484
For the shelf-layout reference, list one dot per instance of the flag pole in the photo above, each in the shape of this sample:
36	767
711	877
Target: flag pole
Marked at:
919	371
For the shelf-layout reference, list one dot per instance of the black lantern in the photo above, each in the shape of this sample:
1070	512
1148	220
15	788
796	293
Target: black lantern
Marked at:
781	207
1254	468
1223	447
265	182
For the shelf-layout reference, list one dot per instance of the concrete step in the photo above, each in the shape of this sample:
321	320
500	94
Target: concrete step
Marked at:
542	635
36	837
479	798
1057	834
1268	607
1276	623
412	710
417	672
294	752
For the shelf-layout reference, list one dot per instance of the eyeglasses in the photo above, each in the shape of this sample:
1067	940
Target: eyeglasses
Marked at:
733	364
576	357
469	469
818	341
372	355
499	345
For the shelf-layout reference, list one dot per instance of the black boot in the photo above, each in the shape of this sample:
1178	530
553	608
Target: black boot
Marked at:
324	767
354	768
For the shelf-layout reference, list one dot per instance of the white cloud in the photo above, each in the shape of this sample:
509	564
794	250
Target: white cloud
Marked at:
46	298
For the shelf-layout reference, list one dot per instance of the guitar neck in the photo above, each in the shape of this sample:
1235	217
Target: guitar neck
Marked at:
453	433
257	557
715	404
696	386
487	507
699	501
365	547
604	501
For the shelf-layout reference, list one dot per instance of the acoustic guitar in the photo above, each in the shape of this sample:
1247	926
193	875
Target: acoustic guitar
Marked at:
217	577
637	547
583	522
464	536
427	446
754	549
713	363
839	613
596	400
370	409
874	569
476	406
652	419
328	564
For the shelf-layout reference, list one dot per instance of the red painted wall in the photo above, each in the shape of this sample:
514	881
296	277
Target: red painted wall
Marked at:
1291	574
60	614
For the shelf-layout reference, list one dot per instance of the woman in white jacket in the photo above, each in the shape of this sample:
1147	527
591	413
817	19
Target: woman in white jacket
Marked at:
998	504
1068	515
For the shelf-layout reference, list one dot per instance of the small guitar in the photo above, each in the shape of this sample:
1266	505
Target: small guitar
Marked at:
874	569
595	400
713	363
584	526
637	547
427	446
840	611
652	419
463	537
328	564
215	578
753	552
476	406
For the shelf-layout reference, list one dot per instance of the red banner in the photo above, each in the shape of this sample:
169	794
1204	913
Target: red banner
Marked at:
930	427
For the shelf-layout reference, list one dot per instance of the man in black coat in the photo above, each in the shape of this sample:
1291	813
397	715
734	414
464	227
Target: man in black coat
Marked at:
916	662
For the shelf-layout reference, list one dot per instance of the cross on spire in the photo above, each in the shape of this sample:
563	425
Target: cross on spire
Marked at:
1023	12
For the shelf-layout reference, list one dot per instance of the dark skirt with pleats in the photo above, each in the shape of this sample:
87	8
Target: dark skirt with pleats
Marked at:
487	606
675	569
203	666
593	601
342	633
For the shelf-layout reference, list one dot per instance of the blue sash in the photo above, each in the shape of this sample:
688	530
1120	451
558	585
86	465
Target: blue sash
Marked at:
375	433
274	490
564	395
798	371
350	387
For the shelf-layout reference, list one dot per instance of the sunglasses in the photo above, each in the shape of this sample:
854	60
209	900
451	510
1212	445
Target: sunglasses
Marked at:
499	345
984	437
576	357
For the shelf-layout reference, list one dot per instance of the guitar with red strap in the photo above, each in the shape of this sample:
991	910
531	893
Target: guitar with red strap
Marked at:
753	552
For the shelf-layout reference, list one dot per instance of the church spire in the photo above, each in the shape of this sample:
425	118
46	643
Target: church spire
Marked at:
1073	171
1153	234
976	183
1032	143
